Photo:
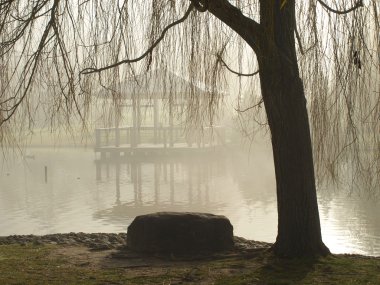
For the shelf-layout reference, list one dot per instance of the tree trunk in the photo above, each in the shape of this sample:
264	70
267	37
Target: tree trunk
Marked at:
299	231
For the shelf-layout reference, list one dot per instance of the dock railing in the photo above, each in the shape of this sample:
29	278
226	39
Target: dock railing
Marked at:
165	135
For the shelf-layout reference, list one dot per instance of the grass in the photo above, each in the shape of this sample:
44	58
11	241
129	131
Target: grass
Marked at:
40	264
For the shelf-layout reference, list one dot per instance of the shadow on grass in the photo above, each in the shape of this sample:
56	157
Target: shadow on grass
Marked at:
333	269
276	270
59	264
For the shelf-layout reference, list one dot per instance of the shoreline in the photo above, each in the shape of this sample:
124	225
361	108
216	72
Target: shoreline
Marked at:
104	258
108	241
103	241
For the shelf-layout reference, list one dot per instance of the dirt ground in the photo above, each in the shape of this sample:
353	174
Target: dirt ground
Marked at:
148	265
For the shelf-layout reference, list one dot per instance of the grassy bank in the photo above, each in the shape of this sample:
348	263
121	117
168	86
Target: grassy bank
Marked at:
57	264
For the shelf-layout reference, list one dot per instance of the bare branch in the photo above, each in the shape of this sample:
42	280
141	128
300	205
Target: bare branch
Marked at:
147	52
246	27
34	60
86	35
235	72
353	8
251	107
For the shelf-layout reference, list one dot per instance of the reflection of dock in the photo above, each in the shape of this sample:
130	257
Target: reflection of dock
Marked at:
159	152
167	183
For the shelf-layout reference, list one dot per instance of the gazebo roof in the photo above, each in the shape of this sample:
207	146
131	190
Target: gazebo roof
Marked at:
159	84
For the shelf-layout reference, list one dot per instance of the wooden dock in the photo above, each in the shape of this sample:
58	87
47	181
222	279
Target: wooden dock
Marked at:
151	141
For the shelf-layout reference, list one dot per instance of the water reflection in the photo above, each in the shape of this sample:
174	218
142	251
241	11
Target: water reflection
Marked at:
352	218
83	194
161	184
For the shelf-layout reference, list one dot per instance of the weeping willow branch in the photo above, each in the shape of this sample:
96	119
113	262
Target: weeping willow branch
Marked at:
247	28
251	107
235	72
88	35
147	52
32	65
353	8
298	37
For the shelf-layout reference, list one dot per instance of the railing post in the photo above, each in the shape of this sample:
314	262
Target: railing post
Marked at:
97	138
198	138
203	138
189	137
171	138
117	137
211	136
165	142
133	137
107	137
127	138
155	119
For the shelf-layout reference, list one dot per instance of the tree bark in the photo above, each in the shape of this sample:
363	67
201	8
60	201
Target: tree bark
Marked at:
299	231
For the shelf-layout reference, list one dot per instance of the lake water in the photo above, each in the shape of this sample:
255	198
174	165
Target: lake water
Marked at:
80	194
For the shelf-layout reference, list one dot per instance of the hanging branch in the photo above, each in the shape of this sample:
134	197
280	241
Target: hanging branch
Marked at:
356	6
147	52
235	72
250	30
251	107
32	64
298	37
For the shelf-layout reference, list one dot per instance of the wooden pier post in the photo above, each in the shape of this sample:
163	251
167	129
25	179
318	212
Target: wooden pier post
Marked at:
138	135
98	171
134	123
164	137
117	137
199	138
97	138
155	119
107	137
128	136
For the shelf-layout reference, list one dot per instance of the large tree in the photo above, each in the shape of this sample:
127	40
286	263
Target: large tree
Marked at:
325	51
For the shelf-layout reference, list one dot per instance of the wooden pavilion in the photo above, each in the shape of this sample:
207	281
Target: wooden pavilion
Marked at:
165	96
